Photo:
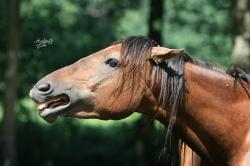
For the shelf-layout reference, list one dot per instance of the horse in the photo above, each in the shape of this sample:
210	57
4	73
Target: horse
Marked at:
206	107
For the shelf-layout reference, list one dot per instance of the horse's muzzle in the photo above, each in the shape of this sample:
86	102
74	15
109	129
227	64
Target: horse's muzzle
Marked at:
51	102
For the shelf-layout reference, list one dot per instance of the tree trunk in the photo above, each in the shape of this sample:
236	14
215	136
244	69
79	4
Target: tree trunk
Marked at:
155	20
9	148
145	129
145	125
241	33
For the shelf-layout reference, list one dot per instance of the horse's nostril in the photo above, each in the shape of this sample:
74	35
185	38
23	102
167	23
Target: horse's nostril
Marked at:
44	87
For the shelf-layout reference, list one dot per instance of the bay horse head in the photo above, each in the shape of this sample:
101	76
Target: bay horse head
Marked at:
109	84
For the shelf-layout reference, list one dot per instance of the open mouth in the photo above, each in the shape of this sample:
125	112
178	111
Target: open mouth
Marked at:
52	108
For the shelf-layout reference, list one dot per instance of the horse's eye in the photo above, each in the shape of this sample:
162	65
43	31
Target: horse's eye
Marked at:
112	62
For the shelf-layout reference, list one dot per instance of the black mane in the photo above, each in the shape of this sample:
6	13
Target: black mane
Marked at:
139	48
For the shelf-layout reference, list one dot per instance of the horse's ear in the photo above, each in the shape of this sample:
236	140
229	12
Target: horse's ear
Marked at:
160	54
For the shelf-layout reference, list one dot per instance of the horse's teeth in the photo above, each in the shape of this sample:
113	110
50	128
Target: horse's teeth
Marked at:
41	106
59	98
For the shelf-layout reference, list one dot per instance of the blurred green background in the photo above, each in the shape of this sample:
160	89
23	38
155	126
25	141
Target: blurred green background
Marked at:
207	29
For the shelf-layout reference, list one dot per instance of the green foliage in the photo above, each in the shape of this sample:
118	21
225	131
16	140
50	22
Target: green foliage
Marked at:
3	39
69	143
201	27
135	26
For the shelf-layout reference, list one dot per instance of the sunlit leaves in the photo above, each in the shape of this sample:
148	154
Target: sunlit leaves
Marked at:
202	27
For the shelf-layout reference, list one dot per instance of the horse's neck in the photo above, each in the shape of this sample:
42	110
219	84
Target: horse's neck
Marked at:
215	119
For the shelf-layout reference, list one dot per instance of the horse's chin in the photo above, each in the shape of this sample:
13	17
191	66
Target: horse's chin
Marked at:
99	114
87	115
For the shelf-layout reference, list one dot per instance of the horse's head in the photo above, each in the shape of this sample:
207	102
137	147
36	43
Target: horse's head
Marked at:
109	84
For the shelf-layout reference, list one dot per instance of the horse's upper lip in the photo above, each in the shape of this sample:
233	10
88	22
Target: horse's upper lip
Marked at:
52	107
